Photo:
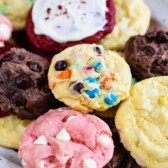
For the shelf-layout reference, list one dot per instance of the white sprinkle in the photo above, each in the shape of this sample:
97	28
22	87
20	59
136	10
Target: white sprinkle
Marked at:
41	140
89	163
63	135
5	31
70	118
104	140
41	164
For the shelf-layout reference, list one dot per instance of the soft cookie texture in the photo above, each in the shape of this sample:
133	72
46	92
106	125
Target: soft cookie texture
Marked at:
11	130
55	25
23	84
142	122
16	11
148	55
87	77
66	138
132	18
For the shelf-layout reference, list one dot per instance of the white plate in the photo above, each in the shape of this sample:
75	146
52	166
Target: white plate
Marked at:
159	8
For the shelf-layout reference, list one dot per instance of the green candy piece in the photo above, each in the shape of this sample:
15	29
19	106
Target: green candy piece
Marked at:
29	1
2	9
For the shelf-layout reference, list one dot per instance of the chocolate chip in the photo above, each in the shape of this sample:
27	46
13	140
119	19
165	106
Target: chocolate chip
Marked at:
34	66
149	51
23	81
98	50
18	99
61	65
161	37
78	87
7	57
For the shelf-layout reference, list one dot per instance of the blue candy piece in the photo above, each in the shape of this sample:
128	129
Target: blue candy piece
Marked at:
92	93
91	80
111	98
105	49
97	66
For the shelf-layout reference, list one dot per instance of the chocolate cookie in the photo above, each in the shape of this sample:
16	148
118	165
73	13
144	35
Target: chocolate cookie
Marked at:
148	55
23	84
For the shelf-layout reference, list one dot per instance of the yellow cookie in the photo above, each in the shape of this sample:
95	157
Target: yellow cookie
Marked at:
88	77
11	130
142	122
16	11
132	18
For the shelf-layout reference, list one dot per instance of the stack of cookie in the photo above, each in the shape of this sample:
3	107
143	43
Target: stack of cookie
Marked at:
95	49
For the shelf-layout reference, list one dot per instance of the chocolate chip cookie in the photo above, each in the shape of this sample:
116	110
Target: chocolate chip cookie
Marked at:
23	84
148	55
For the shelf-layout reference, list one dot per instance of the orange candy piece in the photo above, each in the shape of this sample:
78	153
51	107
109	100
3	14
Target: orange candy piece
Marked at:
107	80
64	74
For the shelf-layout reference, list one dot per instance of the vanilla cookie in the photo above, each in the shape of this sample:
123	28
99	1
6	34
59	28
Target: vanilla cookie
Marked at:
142	122
11	130
89	77
132	18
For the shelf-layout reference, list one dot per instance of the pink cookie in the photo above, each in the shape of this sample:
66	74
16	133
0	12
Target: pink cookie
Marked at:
5	28
65	138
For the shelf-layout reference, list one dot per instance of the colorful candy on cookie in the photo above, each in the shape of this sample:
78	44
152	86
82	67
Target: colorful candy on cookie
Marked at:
88	77
66	138
57	24
148	55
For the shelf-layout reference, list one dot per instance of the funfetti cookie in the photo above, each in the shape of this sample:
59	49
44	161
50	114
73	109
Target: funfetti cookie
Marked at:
57	24
148	55
16	11
142	122
132	18
66	138
89	77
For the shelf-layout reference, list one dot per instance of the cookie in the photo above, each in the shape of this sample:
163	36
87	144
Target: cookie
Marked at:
23	84
16	11
55	25
132	18
66	138
11	130
142	122
148	55
88	77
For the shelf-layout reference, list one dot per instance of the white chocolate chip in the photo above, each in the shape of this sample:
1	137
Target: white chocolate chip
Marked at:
89	163
147	105
24	163
104	140
41	140
63	135
5	31
41	164
70	118
63	109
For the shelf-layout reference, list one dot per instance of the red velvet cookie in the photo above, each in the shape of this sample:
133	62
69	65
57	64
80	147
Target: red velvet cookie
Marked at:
87	23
